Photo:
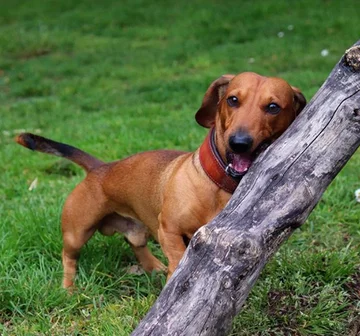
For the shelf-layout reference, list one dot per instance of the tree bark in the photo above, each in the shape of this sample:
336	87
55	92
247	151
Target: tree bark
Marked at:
225	257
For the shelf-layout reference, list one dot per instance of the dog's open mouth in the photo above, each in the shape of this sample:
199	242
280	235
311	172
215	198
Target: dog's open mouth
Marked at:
239	164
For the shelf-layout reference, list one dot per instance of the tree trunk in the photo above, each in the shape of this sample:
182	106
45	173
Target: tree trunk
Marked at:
225	257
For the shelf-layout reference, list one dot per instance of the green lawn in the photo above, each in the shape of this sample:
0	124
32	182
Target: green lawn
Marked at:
115	78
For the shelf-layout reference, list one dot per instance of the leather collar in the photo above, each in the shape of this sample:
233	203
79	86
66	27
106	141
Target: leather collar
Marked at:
214	166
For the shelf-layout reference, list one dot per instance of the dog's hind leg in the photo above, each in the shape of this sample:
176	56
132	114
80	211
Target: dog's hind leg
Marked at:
80	218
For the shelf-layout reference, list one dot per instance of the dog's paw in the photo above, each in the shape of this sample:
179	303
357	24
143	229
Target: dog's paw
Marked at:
135	269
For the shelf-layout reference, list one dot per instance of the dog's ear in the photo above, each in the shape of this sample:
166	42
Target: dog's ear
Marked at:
205	116
299	100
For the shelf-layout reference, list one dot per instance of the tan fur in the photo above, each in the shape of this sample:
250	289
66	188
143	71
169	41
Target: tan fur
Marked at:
166	193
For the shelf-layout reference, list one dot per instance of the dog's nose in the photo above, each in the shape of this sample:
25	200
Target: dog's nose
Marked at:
240	142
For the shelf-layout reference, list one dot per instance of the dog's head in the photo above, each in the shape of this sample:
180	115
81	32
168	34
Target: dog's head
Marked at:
248	112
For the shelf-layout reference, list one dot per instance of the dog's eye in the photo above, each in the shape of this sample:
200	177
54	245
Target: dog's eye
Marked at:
273	108
232	101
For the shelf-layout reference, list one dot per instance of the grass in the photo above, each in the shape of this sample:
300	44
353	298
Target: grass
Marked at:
115	78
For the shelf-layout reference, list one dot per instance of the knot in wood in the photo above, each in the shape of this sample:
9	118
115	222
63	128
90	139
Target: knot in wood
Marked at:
248	247
227	282
352	58
275	177
244	246
185	286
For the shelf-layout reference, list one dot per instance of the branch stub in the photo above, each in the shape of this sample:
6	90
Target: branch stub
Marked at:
352	58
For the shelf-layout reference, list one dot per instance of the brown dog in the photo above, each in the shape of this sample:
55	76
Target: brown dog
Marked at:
171	194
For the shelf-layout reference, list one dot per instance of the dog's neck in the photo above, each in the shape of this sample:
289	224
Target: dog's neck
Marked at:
214	166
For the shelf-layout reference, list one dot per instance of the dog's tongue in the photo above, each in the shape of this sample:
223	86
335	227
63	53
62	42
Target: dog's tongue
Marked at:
241	162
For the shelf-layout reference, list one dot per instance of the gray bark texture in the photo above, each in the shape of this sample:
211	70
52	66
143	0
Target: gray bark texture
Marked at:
225	257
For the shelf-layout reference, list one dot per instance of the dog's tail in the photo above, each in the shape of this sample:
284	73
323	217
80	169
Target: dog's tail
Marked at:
44	145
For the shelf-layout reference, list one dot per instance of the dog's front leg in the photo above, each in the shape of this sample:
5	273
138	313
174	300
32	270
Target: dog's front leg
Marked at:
173	245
